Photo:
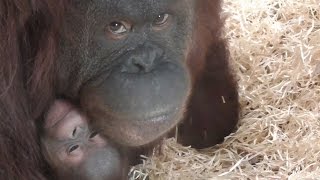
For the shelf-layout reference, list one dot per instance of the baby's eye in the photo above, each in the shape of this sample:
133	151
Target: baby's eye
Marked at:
93	134
95	138
78	130
74	132
73	148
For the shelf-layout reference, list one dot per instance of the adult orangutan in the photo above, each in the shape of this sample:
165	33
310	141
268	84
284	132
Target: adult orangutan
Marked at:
135	68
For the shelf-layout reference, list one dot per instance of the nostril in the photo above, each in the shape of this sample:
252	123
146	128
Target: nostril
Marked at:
142	60
136	65
143	65
141	68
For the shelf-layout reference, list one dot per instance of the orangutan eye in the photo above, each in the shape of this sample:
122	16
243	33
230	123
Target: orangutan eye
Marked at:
94	134
117	28
74	132
73	148
161	19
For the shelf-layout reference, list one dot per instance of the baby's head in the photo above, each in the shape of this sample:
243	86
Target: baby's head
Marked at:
75	151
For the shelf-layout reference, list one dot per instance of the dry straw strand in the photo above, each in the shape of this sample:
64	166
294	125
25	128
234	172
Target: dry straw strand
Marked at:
275	48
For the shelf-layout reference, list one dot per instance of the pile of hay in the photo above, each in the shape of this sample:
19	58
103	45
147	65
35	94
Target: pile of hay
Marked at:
275	45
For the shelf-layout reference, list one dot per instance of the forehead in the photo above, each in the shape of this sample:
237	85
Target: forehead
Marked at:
64	128
132	7
135	4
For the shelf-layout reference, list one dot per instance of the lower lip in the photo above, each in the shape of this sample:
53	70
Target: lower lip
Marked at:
163	119
159	116
140	133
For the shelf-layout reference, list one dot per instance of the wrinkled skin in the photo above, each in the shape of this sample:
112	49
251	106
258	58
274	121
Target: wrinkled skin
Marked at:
74	151
126	61
135	68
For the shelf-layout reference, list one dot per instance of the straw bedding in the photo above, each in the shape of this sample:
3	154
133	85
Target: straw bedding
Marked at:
275	49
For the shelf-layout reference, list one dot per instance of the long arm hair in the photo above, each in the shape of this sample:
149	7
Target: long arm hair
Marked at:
28	37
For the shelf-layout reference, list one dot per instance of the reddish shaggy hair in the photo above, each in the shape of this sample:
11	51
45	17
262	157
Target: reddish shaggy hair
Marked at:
29	33
213	109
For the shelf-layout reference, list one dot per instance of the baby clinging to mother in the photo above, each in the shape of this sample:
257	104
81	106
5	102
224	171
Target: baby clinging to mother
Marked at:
76	151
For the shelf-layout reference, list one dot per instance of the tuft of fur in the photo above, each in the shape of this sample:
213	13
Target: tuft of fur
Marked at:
28	31
213	110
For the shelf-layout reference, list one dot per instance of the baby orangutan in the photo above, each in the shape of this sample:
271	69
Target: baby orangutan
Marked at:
74	151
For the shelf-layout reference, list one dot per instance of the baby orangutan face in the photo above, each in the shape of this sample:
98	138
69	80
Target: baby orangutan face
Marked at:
74	151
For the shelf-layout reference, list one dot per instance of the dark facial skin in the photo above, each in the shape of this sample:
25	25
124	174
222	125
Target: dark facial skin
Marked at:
76	152
124	61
